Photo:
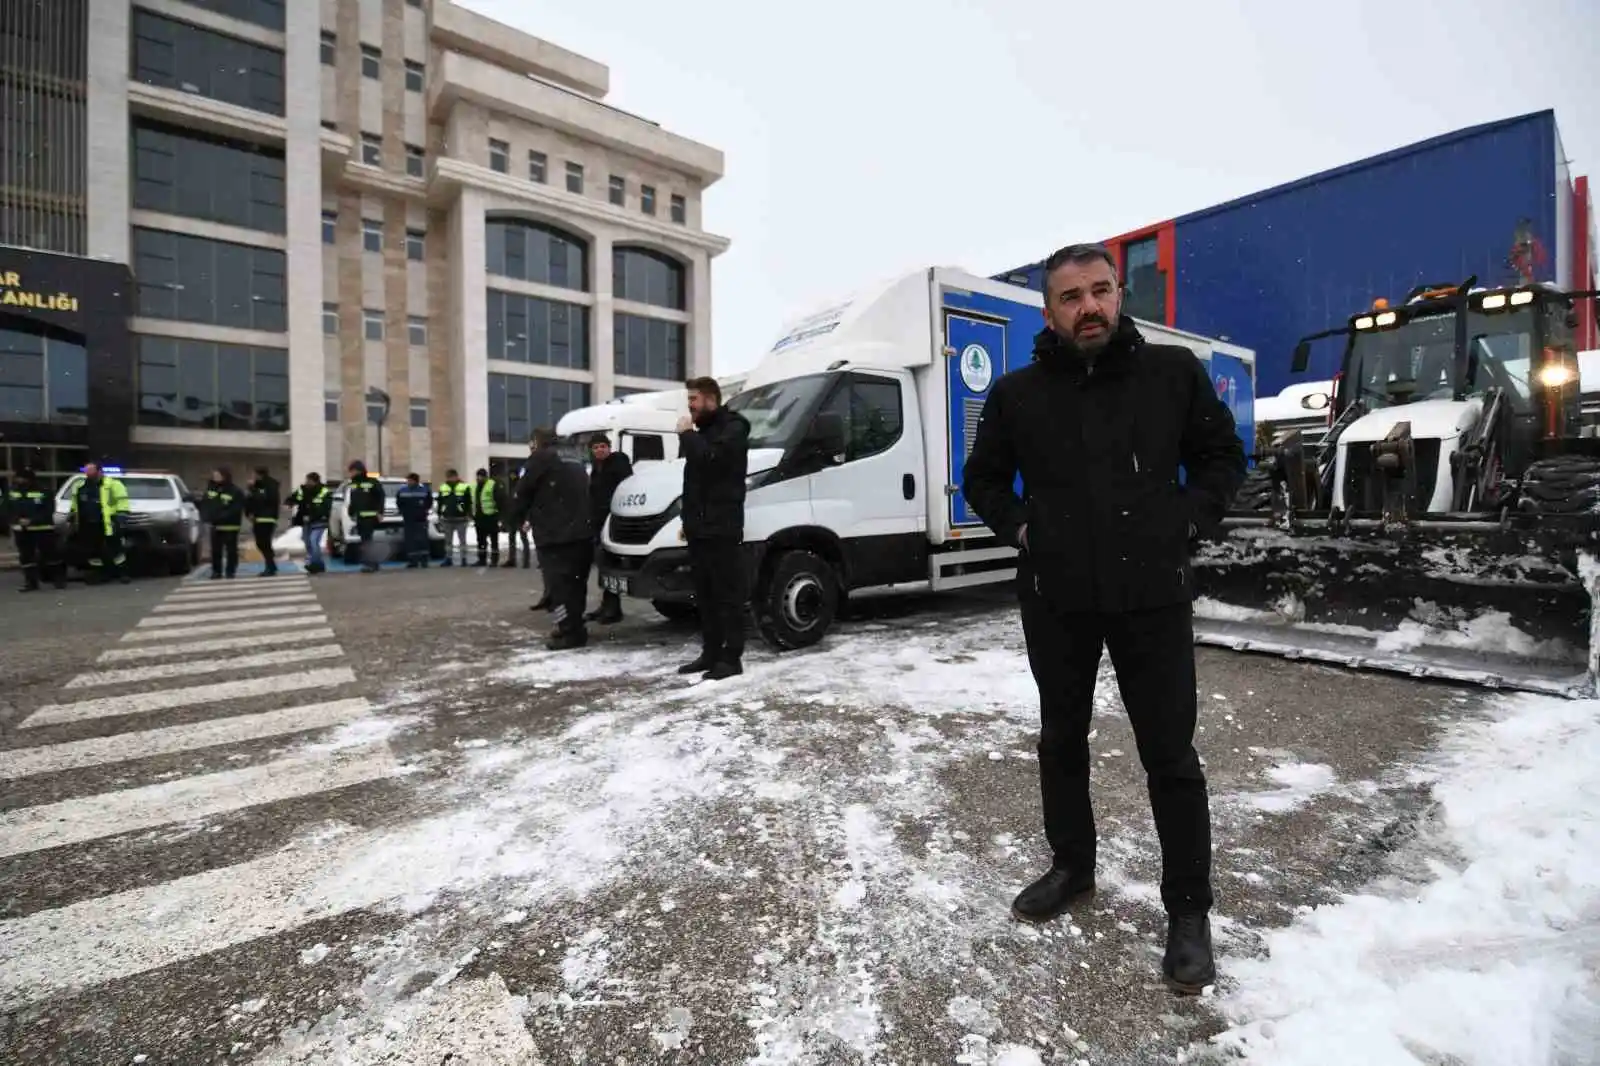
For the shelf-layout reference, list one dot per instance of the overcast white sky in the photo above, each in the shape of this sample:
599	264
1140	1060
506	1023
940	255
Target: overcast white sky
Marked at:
868	137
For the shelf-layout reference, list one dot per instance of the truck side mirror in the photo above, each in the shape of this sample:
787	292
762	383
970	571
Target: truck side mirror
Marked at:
1302	357
827	434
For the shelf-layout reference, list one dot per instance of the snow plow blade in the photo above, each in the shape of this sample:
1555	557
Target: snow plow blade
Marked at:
1455	601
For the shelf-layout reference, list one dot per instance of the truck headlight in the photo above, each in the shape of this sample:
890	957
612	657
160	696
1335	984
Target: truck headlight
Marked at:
1555	375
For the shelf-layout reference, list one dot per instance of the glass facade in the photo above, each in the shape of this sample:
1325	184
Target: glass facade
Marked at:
518	405
648	347
267	13
193	279
43	148
44	376
175	55
206	385
182	172
529	251
647	277
527	329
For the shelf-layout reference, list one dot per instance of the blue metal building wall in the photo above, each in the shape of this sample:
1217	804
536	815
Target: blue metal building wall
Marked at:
1265	270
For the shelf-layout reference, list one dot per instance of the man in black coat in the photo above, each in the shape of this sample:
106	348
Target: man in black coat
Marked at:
1099	425
553	499
607	470
715	445
262	503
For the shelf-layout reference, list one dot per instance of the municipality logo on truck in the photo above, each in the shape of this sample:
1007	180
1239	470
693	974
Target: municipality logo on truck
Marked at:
977	370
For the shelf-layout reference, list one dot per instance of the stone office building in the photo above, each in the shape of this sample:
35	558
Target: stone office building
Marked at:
264	231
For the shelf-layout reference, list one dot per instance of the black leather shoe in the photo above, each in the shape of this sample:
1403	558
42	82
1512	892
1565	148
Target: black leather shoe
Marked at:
724	670
1188	964
1051	894
699	666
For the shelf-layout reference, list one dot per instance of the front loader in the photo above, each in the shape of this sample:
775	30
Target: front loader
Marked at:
1447	525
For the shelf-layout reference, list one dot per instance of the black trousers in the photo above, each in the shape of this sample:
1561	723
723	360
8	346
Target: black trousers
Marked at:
225	551
415	536
566	574
370	553
488	531
717	566
38	552
610	602
1152	653
514	534
264	532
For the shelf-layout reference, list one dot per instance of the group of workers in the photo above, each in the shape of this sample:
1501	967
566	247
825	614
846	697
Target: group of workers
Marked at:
97	515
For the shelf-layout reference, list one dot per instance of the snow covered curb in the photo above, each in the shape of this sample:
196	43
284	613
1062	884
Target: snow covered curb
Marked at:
1492	962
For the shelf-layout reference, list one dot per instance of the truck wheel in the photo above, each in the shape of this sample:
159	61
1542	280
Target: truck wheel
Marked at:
798	602
178	563
1567	485
1255	493
674	611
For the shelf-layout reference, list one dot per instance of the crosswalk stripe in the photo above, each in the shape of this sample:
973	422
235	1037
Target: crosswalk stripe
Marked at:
141	702
217	630
74	821
283	599
155	671
214	732
236	614
209	647
116	936
223	590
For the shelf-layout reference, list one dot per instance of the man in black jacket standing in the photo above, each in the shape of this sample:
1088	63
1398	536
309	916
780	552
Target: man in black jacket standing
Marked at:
1099	425
607	470
553	499
262	504
223	509
715	444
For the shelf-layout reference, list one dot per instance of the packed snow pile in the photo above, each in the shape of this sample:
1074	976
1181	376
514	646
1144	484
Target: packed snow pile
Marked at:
1496	959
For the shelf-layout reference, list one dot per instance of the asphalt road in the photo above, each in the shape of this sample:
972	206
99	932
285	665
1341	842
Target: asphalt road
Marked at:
288	820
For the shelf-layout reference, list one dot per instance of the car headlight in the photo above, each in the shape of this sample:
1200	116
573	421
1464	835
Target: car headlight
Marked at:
1555	375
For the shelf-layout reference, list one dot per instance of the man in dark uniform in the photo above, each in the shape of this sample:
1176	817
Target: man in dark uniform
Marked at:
223	509
553	499
31	510
414	501
364	507
99	511
607	470
312	504
1099	426
262	504
715	445
488	503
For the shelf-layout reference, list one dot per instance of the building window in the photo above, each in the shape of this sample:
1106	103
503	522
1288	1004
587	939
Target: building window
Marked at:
176	55
1147	284
267	13
527	329
330	48
575	178
330	406
419	414
372	149
617	191
417	332
532	251
680	209
647	347
196	175
330	320
372	324
414	3
518	405
416	244
371	61
44	376
647	199
207	385
538	167
330	125
372	234
647	277
330	226
414	76
499	156
195	279
414	161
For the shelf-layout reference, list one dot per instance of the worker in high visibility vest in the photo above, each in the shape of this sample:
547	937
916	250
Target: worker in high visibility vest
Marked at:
31	510
98	514
365	507
488	500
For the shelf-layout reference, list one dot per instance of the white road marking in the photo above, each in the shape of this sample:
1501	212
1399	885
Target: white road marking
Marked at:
207	647
237	614
234	590
74	821
125	747
190	632
256	603
141	702
127	933
215	664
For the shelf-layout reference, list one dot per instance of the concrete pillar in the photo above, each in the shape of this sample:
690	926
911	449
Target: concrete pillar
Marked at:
601	360
699	353
468	302
308	438
106	117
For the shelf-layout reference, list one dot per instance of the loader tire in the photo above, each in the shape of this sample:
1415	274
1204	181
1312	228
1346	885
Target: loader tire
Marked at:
1255	494
1563	485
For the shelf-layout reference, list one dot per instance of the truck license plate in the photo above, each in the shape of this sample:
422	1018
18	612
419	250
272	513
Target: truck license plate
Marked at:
614	584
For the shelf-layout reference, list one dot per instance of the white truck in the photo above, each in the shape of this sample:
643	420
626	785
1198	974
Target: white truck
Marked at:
641	425
861	419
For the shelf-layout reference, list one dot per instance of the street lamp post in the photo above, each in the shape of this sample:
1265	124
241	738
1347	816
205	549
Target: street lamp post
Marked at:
378	414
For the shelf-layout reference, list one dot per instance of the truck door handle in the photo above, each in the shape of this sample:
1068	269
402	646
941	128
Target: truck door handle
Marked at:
908	486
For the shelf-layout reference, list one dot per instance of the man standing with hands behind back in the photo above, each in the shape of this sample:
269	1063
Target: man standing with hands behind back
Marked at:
715	445
1098	425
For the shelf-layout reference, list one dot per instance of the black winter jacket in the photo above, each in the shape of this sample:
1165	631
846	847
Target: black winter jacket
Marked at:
603	481
223	505
263	501
312	505
716	464
1108	524
553	498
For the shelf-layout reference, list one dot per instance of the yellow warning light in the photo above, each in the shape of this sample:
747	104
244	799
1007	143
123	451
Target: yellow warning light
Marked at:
1380	304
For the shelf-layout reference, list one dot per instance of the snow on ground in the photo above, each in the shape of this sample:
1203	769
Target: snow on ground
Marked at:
1491	962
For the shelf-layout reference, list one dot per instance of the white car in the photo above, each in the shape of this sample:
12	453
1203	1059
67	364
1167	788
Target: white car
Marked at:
162	521
341	528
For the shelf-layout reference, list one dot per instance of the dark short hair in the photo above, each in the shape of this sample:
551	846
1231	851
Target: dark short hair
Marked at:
313	476
452	472
542	437
599	438
1076	253
413	476
706	386
261	471
482	472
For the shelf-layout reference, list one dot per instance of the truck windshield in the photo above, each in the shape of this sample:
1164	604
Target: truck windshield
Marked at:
1416	360
779	413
